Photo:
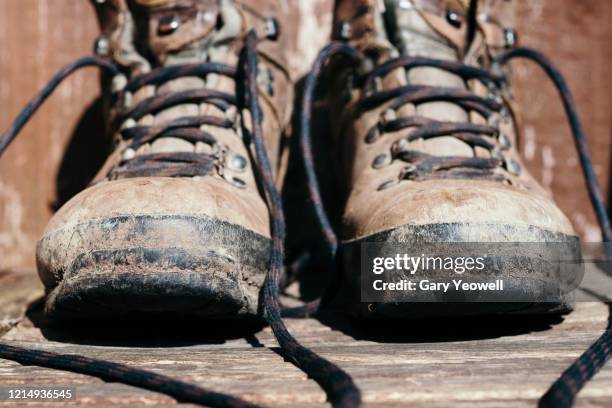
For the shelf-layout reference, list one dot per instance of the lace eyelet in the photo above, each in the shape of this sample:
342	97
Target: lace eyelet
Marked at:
237	163
128	123
405	5
512	166
344	30
504	141
118	83
128	154
387	184
373	134
168	25
231	179
381	161
387	116
238	182
102	47
453	18
398	147
271	29
509	37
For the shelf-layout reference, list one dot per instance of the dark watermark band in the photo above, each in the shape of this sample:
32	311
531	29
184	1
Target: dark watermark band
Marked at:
478	272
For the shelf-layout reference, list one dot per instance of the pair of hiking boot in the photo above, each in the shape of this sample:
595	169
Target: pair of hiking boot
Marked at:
175	221
185	215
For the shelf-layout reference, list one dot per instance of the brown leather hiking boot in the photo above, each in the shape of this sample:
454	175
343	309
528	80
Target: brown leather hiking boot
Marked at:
174	222
426	141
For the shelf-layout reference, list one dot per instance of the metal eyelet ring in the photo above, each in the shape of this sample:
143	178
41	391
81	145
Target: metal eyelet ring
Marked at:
364	68
504	141
399	146
497	70
271	29
118	83
102	46
231	179
238	182
128	154
344	30
129	123
381	161
237	163
387	184
509	37
405	5
387	116
453	18
168	25
373	134
512	166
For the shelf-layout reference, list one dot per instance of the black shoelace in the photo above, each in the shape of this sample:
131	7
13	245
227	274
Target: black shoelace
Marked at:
563	391
338	385
175	164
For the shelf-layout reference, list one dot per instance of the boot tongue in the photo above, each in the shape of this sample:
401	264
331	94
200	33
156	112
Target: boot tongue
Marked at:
174	32
432	29
428	28
166	31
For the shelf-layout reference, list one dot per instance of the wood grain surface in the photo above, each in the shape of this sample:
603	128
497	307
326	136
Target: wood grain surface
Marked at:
62	146
495	362
37	37
575	35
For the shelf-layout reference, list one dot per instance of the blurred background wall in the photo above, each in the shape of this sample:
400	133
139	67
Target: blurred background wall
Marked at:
60	149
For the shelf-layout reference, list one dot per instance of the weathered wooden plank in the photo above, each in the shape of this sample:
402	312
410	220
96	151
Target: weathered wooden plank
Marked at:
507	363
18	290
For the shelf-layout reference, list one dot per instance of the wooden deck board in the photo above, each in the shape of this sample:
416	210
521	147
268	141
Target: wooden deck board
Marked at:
473	363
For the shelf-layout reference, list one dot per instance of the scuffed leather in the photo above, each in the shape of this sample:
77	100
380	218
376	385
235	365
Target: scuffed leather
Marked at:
521	202
213	195
131	28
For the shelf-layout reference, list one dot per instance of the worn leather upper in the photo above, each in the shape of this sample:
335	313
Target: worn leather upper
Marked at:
140	36
433	29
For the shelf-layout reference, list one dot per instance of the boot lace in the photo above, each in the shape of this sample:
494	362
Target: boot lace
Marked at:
423	166
178	164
